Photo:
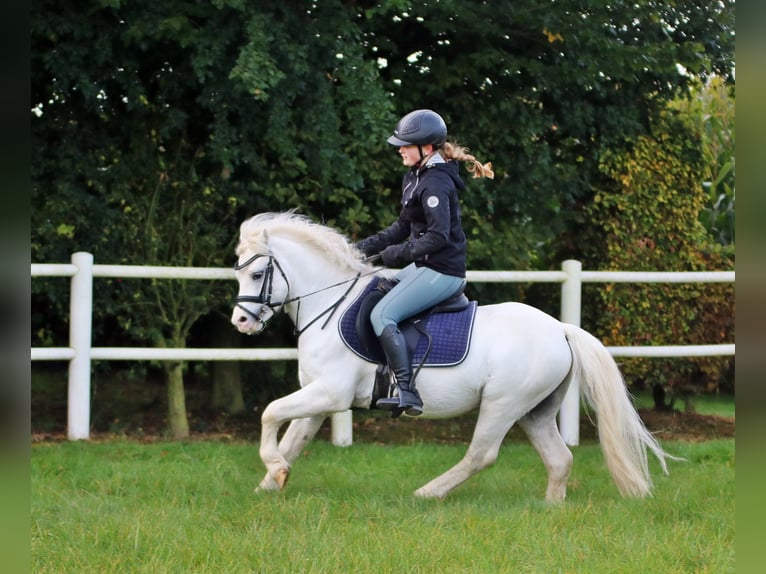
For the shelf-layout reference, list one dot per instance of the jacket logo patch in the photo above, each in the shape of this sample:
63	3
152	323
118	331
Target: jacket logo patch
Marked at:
432	201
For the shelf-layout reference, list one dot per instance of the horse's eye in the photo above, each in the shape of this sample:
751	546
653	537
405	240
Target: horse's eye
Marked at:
257	275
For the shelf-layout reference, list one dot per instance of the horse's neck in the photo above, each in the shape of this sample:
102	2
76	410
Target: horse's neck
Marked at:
314	280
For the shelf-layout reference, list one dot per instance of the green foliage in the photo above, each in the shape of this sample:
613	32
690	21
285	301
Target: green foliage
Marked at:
710	107
541	93
158	127
173	136
649	219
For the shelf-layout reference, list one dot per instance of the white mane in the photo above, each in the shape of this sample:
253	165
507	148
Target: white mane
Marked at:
254	234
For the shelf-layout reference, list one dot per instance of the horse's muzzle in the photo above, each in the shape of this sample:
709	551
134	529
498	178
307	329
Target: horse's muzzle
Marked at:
251	322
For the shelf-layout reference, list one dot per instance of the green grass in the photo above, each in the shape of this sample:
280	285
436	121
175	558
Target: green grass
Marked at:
190	508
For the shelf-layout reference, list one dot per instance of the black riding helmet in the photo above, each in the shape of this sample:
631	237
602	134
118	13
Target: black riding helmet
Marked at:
419	128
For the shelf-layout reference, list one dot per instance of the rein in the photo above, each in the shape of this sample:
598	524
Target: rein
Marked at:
264	297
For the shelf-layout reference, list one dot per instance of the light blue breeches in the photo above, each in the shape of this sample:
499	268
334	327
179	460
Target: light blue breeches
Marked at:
418	289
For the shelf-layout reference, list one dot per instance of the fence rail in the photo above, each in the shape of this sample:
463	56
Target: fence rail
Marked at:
80	353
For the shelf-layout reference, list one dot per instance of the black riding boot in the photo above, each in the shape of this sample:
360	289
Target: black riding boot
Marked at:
400	362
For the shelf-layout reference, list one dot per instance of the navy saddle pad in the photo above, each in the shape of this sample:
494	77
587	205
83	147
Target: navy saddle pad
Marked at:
450	333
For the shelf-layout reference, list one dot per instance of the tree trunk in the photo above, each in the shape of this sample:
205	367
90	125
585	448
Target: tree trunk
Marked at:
659	395
227	376
227	387
178	421
690	406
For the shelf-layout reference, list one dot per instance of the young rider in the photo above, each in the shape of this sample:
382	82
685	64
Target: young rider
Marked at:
427	240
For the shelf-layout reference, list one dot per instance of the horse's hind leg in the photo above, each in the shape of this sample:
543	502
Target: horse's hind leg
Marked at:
298	434
545	437
541	429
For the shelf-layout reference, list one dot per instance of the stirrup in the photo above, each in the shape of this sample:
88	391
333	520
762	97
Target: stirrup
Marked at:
413	407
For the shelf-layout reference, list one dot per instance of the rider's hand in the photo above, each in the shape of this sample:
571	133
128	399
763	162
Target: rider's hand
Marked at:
366	247
392	255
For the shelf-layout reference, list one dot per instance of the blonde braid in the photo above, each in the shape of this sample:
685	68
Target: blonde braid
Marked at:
474	166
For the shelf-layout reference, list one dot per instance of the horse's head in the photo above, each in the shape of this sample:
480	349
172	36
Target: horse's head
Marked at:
261	291
275	245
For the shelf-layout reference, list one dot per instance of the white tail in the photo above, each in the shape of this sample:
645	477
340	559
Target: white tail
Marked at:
622	434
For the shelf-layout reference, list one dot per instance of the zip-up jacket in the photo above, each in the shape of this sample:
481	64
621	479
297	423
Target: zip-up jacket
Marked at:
428	230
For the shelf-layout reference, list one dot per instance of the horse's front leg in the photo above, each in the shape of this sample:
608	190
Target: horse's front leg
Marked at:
312	402
298	435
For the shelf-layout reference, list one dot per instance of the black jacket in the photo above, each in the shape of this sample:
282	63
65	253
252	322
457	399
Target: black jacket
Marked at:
429	221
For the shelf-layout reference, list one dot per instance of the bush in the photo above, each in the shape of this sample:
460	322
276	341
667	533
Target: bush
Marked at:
648	219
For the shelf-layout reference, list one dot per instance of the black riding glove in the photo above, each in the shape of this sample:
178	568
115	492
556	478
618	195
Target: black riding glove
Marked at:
393	255
367	246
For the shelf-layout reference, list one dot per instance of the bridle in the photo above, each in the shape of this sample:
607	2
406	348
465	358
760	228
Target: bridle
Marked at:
264	297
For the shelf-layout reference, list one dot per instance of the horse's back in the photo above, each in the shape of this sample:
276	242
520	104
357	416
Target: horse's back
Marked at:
518	356
520	319
523	335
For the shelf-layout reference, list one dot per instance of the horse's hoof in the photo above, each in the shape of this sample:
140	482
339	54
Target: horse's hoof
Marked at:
430	494
268	484
281	477
266	487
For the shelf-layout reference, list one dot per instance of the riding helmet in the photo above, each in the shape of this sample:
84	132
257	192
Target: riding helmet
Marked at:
420	127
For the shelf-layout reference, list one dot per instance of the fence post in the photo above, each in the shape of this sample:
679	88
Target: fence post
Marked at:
80	327
571	302
342	428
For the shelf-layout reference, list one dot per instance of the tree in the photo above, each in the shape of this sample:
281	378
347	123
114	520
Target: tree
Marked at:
156	133
543	91
158	127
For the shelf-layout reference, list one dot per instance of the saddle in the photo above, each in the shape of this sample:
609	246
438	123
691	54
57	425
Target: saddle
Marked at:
437	337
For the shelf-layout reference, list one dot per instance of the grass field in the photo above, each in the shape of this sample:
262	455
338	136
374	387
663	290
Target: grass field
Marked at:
189	507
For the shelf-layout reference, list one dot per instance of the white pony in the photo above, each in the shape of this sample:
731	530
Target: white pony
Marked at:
517	370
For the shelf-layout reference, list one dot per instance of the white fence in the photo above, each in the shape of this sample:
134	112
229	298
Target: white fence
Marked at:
80	352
